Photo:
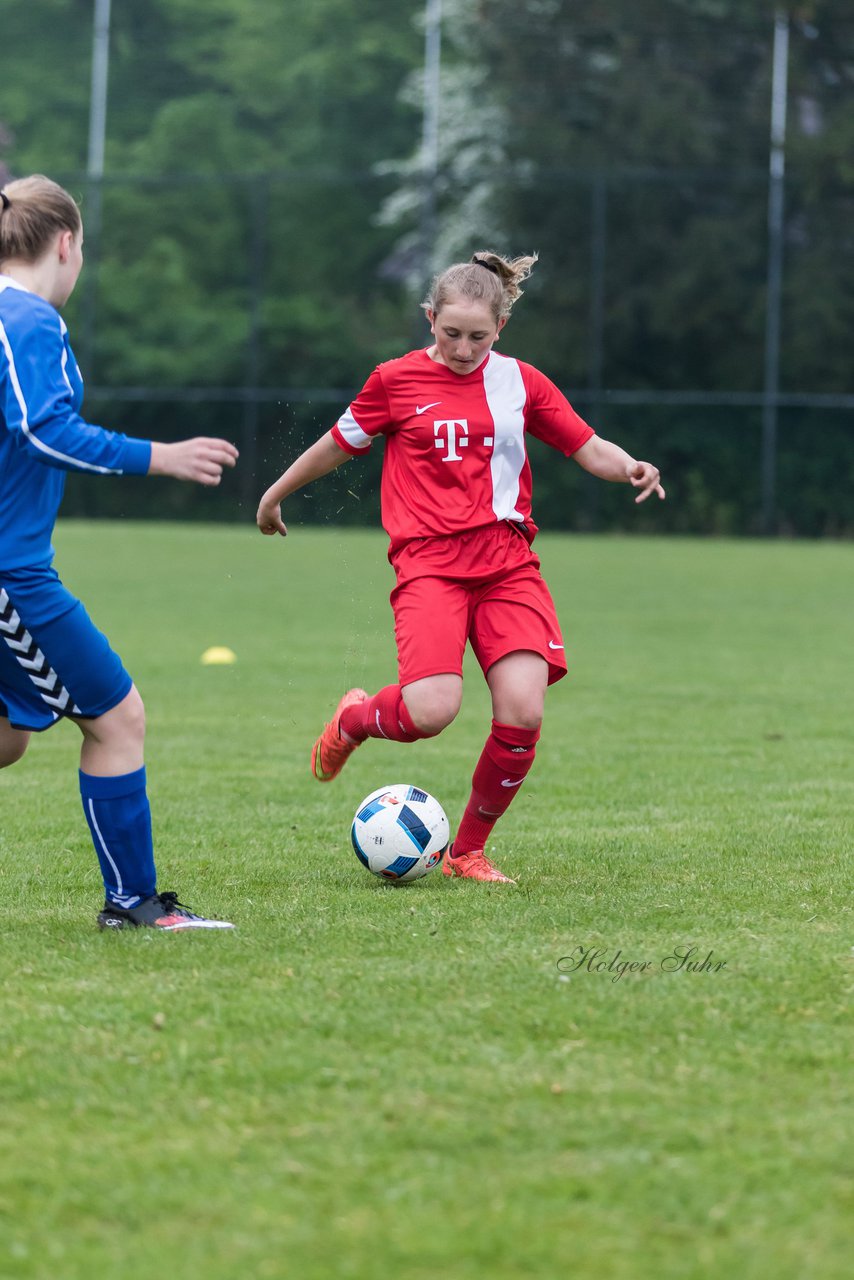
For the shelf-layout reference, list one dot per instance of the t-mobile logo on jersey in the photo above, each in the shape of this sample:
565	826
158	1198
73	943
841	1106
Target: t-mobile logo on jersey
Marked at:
457	430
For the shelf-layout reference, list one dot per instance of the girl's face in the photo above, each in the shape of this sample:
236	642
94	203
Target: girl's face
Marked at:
465	330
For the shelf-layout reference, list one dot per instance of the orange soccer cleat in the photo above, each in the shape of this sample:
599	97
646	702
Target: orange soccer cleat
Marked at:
332	751
473	866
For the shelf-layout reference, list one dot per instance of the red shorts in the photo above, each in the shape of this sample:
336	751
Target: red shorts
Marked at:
482	586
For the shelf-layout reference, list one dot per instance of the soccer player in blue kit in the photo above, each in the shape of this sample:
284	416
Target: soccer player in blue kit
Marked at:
54	662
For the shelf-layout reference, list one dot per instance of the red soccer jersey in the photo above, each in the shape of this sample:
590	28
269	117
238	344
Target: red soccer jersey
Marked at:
455	454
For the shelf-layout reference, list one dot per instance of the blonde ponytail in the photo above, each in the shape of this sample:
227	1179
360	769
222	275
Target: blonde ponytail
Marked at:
488	278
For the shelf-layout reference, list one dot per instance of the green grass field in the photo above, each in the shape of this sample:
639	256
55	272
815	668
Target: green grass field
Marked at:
371	1082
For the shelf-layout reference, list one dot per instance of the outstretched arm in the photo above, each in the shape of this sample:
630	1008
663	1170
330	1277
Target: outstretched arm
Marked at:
318	460
608	461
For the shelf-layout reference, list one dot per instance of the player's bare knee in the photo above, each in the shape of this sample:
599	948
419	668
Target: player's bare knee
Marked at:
433	703
122	724
431	715
521	712
528	719
133	716
431	723
12	747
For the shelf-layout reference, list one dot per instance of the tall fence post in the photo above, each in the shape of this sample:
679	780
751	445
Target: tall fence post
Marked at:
776	198
596	325
248	470
430	131
95	172
598	232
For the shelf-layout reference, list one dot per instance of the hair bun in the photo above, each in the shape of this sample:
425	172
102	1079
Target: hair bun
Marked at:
490	266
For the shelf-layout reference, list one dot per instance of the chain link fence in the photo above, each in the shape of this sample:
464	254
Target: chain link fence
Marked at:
255	306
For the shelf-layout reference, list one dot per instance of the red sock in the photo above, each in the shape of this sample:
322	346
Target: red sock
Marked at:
501	769
382	716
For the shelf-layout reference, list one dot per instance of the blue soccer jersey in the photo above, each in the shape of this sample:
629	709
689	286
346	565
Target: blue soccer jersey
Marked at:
41	432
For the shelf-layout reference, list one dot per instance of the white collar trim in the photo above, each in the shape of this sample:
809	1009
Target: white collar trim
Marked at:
7	282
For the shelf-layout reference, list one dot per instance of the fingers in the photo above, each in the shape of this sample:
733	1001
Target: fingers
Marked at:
208	457
222	450
269	521
655	488
200	459
269	527
647	478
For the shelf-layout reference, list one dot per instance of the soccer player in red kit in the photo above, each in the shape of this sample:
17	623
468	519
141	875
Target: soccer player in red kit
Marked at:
456	504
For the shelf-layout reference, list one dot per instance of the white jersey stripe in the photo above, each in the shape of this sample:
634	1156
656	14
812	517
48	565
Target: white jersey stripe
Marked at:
65	369
505	397
25	423
352	432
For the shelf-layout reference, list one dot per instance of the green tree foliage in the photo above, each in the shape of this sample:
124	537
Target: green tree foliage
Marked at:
240	145
44	85
264	198
629	145
666	107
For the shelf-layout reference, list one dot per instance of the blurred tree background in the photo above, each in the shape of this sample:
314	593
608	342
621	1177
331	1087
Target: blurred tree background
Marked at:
267	225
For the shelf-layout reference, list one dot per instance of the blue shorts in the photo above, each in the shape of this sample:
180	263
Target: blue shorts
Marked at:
54	661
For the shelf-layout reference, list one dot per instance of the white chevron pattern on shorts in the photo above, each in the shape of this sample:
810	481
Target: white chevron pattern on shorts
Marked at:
48	682
20	646
35	663
30	657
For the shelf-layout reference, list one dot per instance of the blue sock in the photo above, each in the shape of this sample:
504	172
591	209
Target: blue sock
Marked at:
119	819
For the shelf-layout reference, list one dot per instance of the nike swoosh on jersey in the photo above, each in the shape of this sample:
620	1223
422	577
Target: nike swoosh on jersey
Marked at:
552	645
423	408
508	782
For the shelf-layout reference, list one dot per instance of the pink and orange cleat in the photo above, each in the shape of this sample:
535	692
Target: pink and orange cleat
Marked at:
473	866
332	751
160	911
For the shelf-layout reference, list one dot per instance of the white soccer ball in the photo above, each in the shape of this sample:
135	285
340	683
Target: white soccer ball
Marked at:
400	832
